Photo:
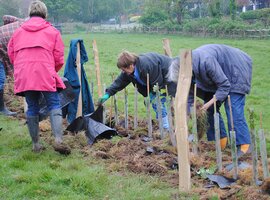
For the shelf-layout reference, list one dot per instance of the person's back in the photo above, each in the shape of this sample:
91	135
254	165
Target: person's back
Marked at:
37	51
209	60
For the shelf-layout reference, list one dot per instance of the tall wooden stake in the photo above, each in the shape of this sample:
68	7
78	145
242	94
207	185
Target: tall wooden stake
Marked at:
233	142
148	109
254	146
135	107
263	150
126	109
181	129
78	65
115	110
169	113
96	59
166	47
194	122
217	136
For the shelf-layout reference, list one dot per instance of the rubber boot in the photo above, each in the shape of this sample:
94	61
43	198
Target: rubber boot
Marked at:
33	127
3	108
56	124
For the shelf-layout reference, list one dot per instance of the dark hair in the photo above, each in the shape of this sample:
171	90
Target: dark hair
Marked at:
125	59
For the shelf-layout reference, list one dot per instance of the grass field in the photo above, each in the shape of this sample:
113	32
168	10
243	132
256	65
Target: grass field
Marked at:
110	45
25	175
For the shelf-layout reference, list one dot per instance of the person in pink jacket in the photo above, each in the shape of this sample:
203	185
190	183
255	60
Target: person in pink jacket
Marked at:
36	50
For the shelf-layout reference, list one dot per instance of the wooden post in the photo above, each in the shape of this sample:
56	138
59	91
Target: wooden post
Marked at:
233	142
169	113
96	59
126	109
78	65
135	107
181	129
115	110
254	147
263	150
166	47
148	109
217	137
92	91
194	122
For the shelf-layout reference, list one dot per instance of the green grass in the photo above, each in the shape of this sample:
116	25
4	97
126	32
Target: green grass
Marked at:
26	175
48	175
110	45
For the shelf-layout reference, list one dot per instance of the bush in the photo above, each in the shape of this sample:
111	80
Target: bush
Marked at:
262	15
152	17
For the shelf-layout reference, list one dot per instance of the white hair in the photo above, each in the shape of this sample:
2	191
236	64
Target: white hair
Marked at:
173	71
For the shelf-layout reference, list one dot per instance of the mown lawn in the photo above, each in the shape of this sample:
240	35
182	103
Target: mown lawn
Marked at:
25	175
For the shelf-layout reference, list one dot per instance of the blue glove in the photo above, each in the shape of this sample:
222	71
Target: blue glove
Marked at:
104	98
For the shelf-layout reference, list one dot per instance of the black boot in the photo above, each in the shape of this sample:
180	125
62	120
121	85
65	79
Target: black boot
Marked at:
3	108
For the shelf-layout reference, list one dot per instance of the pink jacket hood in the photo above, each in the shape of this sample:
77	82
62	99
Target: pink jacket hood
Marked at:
36	24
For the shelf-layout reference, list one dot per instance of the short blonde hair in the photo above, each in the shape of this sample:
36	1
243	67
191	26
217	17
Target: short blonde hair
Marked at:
38	8
125	59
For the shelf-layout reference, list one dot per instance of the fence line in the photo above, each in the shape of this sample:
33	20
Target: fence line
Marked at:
94	28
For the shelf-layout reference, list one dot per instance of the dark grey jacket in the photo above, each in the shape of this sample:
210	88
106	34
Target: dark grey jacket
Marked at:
222	69
156	65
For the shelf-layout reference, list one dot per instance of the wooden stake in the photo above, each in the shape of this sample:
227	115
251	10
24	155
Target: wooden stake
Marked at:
115	110
135	107
233	142
126	109
254	147
96	59
169	113
78	65
217	136
181	129
263	154
148	109
194	122
263	150
92	91
166	47
111	105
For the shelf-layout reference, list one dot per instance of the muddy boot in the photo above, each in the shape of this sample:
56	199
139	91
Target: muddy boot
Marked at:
56	124
32	124
3	108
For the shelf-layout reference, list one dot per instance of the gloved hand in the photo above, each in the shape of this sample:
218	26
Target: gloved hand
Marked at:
104	98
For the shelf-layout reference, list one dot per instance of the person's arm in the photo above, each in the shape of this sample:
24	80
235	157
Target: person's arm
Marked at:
11	50
7	19
58	53
119	84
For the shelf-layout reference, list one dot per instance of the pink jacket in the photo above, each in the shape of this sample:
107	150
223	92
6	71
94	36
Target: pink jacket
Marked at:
36	50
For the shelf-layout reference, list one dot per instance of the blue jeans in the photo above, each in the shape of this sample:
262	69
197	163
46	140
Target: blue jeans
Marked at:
32	99
2	76
163	104
240	124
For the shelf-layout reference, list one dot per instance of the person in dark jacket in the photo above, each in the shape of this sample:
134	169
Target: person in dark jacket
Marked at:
135	69
221	70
